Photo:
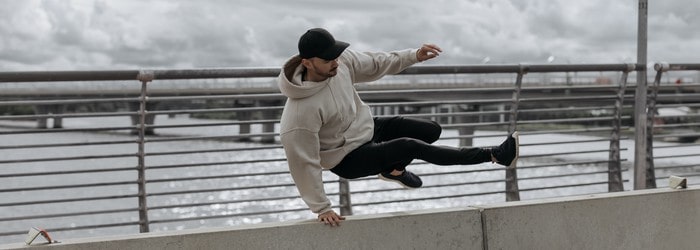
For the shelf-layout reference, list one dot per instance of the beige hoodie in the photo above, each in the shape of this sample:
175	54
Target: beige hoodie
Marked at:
324	121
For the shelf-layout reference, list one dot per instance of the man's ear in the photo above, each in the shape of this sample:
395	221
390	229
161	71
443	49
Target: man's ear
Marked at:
306	62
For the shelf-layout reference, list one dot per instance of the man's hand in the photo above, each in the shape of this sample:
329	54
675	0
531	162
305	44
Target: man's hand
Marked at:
330	218
428	51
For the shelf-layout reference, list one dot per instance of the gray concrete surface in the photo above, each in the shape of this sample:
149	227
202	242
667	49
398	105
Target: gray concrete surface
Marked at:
434	229
647	219
650	219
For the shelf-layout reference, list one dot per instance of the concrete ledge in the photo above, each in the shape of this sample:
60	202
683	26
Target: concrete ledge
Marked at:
648	219
429	229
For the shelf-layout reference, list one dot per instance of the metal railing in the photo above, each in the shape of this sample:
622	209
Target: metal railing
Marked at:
186	172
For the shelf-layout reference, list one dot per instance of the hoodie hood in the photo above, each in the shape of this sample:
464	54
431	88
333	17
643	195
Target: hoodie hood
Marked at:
290	82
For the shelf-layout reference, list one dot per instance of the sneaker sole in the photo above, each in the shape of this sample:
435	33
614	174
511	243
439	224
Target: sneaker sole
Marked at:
397	181
516	136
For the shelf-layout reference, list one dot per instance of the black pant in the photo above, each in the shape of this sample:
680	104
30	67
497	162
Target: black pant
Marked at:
399	140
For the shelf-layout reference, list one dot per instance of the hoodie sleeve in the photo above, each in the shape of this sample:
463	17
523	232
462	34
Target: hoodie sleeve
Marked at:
370	66
302	149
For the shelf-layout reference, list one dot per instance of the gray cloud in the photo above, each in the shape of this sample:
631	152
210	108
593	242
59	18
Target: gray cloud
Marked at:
101	34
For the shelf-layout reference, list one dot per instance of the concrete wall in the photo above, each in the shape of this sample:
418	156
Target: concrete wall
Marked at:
435	229
648	219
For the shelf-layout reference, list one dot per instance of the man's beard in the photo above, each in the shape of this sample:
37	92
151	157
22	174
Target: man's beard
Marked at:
332	72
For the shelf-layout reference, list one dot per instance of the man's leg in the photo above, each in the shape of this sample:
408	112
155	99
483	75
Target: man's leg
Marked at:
389	128
397	141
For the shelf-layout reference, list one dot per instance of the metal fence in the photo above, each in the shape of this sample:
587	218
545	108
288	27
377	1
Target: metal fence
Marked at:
108	165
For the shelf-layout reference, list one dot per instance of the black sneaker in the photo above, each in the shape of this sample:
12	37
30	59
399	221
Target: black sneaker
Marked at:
507	153
406	179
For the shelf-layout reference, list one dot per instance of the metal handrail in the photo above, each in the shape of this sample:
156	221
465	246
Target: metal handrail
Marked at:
522	97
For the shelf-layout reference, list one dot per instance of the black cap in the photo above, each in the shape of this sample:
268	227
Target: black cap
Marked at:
320	43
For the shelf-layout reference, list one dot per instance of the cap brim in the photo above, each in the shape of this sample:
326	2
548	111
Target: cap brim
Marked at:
334	51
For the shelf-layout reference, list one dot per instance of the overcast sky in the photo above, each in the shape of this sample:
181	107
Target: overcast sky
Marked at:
133	34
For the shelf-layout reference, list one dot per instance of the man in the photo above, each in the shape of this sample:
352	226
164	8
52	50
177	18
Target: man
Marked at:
325	124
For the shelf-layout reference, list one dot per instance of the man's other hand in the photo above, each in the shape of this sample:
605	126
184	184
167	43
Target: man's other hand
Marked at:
428	51
330	218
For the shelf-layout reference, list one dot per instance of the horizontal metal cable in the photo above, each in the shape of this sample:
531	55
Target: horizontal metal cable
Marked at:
684	145
217	97
686	115
564	175
693	124
102	184
567	186
68	101
678	135
204	164
568	142
214	124
677	105
674	156
674	96
67	115
530	122
429	186
58	215
567	120
473	125
565	153
212	150
571	98
483	170
443	102
450	114
74	144
219	189
195	204
65	130
472	136
67	200
499	169
567	109
666	168
214	110
193	178
576	132
567	131
71	158
67	172
559	164
230	189
194	138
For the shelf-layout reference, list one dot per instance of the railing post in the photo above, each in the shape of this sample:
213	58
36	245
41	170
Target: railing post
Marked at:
614	164
344	197
651	113
512	190
144	77
640	100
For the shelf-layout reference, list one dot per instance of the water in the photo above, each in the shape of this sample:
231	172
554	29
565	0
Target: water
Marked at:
226	210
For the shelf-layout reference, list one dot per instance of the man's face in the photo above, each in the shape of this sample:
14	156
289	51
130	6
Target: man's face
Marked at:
324	68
